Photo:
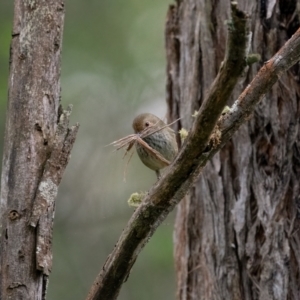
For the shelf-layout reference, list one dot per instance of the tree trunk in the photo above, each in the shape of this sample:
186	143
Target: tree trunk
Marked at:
237	231
36	150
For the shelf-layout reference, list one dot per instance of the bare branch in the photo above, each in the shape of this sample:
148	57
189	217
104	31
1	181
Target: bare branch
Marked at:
170	189
196	151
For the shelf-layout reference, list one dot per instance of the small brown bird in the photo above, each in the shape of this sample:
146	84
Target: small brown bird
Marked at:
163	141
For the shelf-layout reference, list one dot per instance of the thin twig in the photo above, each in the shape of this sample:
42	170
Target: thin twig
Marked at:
153	151
132	139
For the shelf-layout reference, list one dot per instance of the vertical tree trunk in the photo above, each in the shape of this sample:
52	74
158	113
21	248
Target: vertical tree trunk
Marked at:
36	150
237	232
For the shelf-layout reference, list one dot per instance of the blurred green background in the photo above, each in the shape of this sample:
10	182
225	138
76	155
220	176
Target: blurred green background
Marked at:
113	67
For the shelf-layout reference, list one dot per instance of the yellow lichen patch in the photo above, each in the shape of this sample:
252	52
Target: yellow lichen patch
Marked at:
136	199
195	114
183	134
225	110
215	138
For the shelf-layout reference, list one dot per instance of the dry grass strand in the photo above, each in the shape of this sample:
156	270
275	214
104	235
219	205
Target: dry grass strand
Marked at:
131	139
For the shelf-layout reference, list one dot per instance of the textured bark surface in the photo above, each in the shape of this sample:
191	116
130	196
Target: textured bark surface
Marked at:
210	131
172	186
237	232
37	147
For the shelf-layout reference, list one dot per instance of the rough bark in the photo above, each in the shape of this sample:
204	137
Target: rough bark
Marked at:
36	149
204	140
237	231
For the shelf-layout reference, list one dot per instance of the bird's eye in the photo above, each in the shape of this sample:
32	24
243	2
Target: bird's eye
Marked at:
147	124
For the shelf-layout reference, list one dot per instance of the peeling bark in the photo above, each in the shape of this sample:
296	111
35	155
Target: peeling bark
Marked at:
237	232
36	149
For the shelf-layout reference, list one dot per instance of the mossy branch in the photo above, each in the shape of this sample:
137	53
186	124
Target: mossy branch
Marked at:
196	150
